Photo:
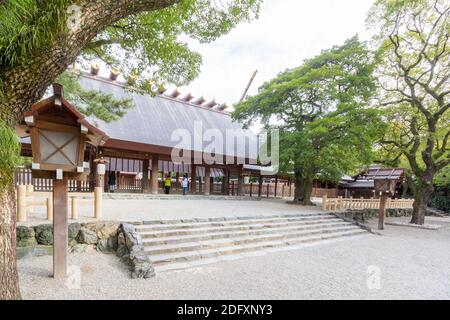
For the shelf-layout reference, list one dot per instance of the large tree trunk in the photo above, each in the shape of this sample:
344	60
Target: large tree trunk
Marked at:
24	84
307	190
303	188
421	196
298	194
9	279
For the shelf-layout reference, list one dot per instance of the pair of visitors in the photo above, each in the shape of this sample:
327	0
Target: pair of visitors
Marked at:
167	184
185	184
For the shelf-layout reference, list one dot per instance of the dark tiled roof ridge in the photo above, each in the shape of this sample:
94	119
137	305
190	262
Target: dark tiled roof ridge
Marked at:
124	86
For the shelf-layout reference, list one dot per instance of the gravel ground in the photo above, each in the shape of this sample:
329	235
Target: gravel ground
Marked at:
131	210
412	263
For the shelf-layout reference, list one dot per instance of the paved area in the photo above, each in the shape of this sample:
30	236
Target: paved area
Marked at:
409	263
138	210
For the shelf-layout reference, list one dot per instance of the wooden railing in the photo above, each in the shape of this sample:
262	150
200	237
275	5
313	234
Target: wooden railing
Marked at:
27	199
341	203
23	176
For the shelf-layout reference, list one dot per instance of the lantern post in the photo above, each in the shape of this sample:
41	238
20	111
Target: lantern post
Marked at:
59	134
386	188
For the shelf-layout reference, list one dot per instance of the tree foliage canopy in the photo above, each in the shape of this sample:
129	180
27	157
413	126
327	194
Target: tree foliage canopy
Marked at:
322	110
147	47
414	74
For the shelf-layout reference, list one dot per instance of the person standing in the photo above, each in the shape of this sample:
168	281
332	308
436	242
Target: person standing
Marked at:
167	184
185	184
112	181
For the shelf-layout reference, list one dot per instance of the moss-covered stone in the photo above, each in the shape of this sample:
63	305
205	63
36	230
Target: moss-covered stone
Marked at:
25	236
44	234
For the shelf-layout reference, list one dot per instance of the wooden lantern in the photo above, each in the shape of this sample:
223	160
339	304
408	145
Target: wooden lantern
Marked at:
59	134
386	186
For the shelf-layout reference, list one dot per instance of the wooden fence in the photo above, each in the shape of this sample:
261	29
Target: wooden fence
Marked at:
27	199
341	203
23	176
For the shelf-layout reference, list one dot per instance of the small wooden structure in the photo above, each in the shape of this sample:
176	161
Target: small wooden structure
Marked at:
385	181
59	134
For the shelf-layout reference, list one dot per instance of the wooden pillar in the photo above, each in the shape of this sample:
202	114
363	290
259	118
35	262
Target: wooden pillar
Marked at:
276	186
30	190
21	203
260	184
154	174
49	209
290	188
60	228
207	190
177	181
226	180
324	202
98	202
240	182
223	182
193	178
200	184
211	183
382	212
145	166
74	208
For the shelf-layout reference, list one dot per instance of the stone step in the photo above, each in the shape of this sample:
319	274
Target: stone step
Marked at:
239	240
234	227
165	262
217	233
177	224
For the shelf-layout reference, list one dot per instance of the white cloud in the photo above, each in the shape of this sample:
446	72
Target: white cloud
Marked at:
287	32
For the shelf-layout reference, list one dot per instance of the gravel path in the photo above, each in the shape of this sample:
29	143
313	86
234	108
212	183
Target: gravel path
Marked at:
413	264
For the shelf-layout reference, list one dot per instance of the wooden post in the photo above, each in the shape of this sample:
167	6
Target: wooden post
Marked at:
260	184
240	184
324	202
21	203
382	212
154	175
276	186
232	188
98	198
341	203
207	190
267	190
30	191
49	209
350	204
60	228
251	187
74	208
145	166
194	178
177	181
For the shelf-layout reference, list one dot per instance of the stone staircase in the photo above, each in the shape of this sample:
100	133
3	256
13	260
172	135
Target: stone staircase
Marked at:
179	244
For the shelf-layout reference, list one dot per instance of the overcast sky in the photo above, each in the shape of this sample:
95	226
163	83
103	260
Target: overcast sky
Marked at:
287	32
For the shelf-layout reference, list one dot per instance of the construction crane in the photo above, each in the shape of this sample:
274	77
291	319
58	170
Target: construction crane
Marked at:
248	86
